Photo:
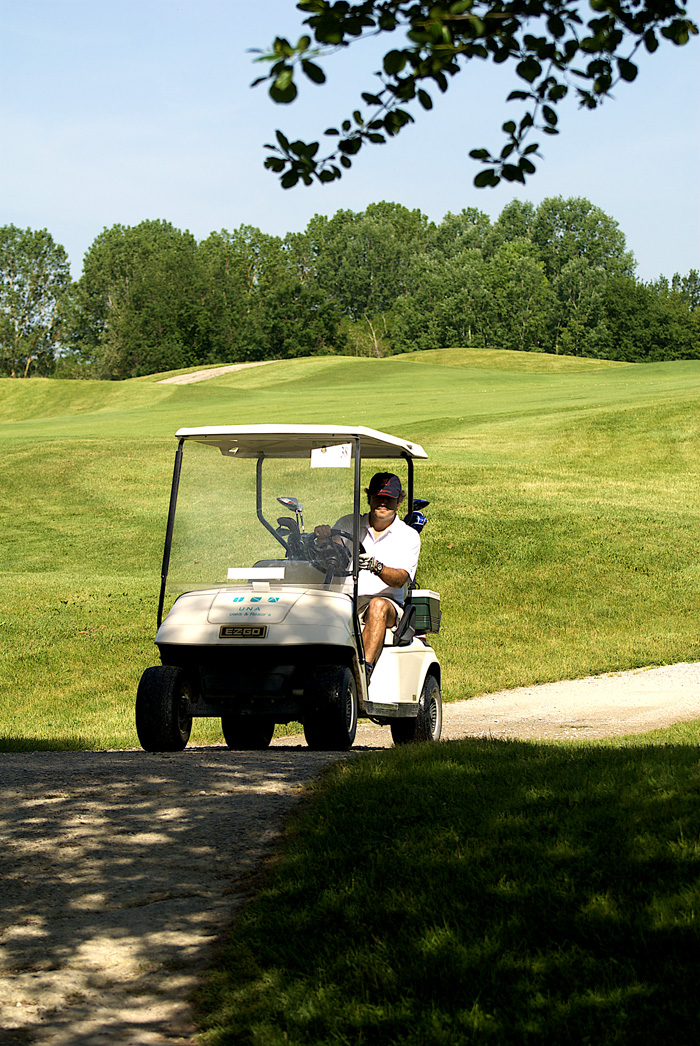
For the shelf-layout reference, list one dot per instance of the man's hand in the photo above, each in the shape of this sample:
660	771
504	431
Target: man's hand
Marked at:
323	534
367	562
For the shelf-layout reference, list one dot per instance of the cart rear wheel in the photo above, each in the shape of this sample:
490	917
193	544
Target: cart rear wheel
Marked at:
247	733
429	718
403	731
330	717
163	722
427	726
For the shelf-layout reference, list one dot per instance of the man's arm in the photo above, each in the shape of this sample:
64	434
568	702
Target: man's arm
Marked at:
393	577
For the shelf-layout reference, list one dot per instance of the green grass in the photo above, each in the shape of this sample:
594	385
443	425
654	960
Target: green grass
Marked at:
562	528
472	892
493	892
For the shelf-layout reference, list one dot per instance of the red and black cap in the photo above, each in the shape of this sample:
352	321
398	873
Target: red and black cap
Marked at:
384	485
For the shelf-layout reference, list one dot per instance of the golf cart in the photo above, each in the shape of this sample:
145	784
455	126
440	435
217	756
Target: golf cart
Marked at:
264	626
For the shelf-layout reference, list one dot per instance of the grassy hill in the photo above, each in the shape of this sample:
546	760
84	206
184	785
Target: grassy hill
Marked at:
562	529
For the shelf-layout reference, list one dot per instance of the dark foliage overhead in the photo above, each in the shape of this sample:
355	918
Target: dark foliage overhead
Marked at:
553	46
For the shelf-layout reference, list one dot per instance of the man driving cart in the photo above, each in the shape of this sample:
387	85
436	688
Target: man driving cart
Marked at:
387	564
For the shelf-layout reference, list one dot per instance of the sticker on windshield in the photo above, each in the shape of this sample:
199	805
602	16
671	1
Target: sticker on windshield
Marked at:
256	573
339	457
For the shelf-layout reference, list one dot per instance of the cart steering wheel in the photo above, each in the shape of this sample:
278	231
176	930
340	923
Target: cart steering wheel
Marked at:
331	556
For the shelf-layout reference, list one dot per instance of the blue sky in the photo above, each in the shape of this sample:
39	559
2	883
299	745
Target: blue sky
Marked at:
122	110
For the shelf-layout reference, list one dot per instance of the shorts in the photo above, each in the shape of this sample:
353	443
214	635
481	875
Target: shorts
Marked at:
364	601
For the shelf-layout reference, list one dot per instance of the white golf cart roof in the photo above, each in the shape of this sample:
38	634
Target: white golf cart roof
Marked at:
297	441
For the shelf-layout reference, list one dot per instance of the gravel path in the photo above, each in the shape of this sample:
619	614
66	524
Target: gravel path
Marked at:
608	705
121	870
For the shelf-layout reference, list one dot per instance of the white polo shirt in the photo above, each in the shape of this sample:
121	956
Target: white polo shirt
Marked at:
397	546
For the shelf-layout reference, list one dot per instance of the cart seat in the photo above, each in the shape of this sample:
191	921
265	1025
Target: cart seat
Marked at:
405	630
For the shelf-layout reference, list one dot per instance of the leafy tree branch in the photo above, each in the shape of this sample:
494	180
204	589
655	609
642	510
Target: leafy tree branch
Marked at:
548	42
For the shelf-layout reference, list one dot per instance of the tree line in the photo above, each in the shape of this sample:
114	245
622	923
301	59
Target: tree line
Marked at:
556	278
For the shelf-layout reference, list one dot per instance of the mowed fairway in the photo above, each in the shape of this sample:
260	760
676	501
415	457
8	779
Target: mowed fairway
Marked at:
562	534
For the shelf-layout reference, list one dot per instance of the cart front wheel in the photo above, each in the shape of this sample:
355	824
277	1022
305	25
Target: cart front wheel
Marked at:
163	722
247	733
330	716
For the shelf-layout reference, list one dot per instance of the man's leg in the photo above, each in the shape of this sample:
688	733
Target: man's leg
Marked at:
380	615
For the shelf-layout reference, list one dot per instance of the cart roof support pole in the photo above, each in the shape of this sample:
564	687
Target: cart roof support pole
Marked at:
169	530
356	546
409	461
258	502
357	510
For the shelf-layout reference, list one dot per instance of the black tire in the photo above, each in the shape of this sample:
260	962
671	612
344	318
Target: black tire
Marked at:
330	714
247	733
429	718
403	731
427	726
163	723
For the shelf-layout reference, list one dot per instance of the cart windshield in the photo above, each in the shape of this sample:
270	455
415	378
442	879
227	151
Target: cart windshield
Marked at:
243	520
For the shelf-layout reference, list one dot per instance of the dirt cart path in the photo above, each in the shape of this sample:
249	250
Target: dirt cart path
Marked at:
210	372
120	871
608	705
